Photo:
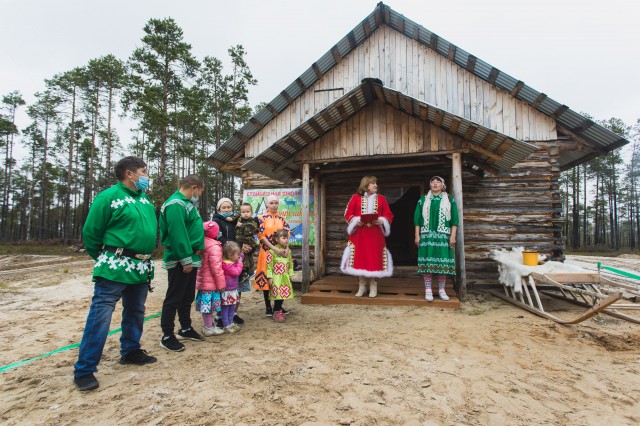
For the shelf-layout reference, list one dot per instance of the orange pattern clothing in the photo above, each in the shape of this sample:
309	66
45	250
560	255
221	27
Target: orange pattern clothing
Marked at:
269	223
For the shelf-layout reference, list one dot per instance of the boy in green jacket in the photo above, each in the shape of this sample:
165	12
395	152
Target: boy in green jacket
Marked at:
182	236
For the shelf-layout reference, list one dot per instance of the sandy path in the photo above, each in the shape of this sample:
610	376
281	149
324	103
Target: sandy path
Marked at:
487	363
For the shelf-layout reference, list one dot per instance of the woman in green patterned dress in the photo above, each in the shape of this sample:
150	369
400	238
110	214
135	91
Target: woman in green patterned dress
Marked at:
436	221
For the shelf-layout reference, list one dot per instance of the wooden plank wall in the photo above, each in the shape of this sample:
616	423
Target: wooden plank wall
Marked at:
415	70
380	129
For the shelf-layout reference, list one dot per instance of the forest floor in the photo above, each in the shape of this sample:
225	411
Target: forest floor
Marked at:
488	362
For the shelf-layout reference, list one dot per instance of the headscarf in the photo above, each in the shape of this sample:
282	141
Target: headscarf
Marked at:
445	207
271	198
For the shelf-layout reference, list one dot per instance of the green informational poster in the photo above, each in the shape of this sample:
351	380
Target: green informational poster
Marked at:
290	207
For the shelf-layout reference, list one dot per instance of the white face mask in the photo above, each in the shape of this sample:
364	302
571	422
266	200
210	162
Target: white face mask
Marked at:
194	199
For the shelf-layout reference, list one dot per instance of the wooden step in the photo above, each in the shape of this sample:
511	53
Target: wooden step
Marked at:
335	298
398	291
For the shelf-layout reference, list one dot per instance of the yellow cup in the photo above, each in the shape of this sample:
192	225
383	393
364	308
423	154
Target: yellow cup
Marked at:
530	258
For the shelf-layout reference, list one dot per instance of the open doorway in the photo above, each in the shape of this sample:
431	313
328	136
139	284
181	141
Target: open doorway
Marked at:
401	243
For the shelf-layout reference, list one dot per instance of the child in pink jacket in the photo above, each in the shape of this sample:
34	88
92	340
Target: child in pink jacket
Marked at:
210	279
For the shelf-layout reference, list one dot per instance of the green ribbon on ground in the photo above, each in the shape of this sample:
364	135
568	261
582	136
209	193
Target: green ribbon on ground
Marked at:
619	272
62	349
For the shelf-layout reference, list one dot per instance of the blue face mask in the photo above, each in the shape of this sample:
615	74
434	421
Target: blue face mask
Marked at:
142	183
226	214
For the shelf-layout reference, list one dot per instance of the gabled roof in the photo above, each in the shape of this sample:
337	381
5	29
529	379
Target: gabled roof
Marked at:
488	149
569	123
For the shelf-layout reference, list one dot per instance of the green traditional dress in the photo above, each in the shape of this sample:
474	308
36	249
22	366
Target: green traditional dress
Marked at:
123	218
434	254
280	269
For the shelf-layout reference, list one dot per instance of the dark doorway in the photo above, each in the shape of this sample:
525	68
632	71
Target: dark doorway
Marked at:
401	243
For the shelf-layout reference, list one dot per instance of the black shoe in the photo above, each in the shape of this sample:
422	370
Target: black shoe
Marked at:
190	334
238	320
219	323
269	312
170	343
86	383
285	312
138	357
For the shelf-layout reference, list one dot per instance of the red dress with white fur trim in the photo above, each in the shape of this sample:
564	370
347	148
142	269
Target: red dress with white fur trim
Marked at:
366	253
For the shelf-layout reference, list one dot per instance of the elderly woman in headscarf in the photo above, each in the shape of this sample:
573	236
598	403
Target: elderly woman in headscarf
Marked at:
436	221
270	222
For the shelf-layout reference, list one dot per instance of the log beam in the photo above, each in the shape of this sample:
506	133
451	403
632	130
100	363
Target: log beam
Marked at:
456	178
306	267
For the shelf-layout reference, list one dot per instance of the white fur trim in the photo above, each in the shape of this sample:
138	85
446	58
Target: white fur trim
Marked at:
353	224
386	227
363	272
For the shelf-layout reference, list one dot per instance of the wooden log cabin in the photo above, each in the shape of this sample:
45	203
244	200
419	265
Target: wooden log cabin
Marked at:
395	100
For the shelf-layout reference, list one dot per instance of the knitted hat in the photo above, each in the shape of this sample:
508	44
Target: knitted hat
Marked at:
211	230
223	200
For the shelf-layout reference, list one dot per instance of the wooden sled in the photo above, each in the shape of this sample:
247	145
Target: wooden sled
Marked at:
581	289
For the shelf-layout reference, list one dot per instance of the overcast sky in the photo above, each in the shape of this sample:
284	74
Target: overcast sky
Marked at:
582	53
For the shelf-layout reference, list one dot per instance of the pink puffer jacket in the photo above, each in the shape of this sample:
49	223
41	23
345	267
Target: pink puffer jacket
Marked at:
210	275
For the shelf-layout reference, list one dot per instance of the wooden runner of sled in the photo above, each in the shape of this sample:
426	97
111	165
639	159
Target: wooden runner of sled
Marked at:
584	289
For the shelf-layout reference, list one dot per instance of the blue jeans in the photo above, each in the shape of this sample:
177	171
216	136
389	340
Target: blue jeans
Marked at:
105	296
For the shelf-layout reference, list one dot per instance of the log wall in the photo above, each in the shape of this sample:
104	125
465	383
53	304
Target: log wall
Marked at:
405	65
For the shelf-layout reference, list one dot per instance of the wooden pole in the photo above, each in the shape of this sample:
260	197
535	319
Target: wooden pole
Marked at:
323	225
456	177
305	228
316	223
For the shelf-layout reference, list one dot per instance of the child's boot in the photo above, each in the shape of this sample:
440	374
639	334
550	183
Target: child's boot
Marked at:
373	288
362	287
278	316
212	331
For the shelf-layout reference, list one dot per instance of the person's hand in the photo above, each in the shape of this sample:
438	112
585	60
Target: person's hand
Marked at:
223	289
377	222
229	219
246	248
188	268
360	223
283	253
417	240
452	241
199	252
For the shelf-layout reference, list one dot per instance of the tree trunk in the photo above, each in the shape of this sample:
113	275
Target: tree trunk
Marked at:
43	184
108	171
67	209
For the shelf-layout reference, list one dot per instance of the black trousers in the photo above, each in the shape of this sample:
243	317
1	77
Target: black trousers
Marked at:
180	294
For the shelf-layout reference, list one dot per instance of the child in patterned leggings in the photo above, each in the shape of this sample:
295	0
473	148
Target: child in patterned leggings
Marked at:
232	267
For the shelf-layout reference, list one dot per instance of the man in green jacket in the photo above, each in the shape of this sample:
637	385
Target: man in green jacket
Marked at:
182	236
119	234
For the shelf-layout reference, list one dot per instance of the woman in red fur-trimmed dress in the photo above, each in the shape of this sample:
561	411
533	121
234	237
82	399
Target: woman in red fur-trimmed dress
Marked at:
366	254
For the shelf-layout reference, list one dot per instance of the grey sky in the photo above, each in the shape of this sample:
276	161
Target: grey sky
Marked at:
583	53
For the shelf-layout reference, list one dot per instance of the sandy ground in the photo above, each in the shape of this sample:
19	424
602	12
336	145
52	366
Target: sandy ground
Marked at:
486	363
